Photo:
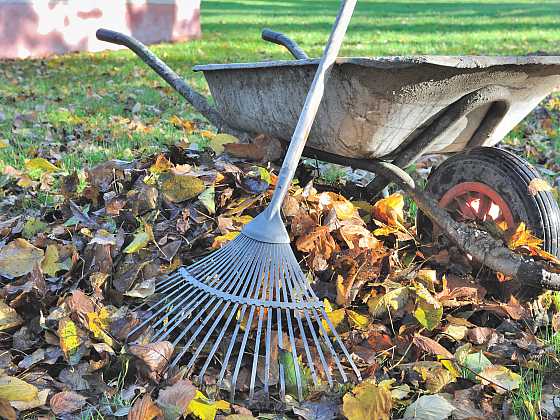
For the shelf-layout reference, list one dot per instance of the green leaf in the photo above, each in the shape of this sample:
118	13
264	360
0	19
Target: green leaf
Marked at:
141	239
428	310
290	372
207	198
32	227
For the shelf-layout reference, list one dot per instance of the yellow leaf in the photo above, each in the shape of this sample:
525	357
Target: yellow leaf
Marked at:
9	318
141	239
18	258
367	401
14	389
70	340
394	299
178	188
344	209
4	143
357	320
161	165
98	323
41	164
523	237
390	210
428	310
50	263
180	123
221	240
207	134
537	185
202	408
500	377
335	316
218	141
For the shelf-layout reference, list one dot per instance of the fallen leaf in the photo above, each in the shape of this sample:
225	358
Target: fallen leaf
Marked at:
181	123
175	399
70	338
537	185
40	164
155	356
428	310
14	389
207	197
39	401
178	188
390	210
429	407
161	165
9	318
143	289
219	140
431	346
140	241
7	412
204	409
145	409
50	265
500	377
344	209
18	258
367	401
357	320
66	402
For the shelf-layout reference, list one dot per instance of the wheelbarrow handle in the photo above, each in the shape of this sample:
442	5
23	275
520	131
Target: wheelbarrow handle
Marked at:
281	39
197	100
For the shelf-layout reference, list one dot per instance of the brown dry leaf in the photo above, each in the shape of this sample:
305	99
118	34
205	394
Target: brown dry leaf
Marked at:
431	346
358	236
261	149
175	399
9	318
80	304
480	335
145	409
155	356
18	258
6	410
178	188
537	185
367	401
390	210
66	402
318	240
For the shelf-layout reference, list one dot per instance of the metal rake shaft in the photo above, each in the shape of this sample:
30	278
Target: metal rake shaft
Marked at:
249	291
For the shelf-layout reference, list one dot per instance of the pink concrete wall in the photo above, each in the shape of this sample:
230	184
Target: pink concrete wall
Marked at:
37	28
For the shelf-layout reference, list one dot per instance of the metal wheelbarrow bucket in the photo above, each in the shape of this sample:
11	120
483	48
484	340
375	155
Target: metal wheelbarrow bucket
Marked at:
381	114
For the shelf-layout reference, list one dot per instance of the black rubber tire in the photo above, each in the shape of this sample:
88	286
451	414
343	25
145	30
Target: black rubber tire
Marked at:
509	175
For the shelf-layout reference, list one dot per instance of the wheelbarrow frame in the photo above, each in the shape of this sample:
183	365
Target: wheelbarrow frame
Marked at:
478	243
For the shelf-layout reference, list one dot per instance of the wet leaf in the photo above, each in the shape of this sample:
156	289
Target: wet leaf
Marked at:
429	407
367	401
145	409
9	318
40	164
66	402
178	188
18	258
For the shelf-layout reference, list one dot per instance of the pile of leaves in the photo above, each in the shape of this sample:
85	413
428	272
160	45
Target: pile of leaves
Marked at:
429	330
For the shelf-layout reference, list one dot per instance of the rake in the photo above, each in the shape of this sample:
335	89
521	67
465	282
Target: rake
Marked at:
254	290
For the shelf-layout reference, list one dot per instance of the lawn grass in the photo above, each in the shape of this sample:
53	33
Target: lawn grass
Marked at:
81	103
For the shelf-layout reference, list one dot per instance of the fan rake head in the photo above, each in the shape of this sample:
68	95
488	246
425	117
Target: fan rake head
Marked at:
248	306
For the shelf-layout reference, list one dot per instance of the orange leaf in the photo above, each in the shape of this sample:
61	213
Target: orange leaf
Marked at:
390	210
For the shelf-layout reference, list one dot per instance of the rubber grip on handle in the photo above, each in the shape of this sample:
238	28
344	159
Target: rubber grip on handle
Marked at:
281	39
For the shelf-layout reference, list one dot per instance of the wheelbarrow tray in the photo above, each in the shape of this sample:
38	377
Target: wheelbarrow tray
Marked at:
375	107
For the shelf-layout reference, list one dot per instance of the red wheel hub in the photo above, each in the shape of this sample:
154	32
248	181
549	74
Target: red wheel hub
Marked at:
477	201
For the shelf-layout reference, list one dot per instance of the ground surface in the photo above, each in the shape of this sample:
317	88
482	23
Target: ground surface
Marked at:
77	249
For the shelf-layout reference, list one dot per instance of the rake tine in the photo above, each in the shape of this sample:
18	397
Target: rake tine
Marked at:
218	279
257	279
268	336
182	316
237	285
300	325
250	275
265	286
277	299
284	275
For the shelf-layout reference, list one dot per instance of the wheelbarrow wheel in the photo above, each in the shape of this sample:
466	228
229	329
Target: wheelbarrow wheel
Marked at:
490	184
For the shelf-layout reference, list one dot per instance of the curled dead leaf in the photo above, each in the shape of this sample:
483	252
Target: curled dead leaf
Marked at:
155	356
145	409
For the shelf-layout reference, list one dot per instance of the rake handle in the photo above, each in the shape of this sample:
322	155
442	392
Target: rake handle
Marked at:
312	102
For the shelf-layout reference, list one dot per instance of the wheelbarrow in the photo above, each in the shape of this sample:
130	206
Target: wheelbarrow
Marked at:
381	114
